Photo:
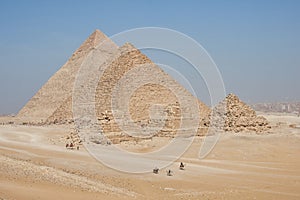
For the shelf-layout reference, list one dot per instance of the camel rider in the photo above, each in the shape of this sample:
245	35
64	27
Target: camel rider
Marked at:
181	165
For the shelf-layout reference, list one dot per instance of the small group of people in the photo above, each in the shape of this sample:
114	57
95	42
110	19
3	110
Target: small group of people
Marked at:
169	171
71	146
182	166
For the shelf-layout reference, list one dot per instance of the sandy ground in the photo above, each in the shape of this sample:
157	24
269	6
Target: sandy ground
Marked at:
34	164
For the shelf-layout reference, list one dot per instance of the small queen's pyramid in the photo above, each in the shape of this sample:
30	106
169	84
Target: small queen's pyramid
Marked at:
236	116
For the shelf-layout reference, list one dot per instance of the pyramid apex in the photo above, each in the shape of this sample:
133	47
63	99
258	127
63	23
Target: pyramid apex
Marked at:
92	41
127	47
96	36
97	32
232	96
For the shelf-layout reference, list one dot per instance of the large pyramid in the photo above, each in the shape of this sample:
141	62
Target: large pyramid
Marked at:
53	102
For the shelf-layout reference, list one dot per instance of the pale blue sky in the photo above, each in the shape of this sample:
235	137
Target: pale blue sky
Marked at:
255	44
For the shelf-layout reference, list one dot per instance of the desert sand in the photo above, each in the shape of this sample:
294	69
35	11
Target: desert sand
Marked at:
36	165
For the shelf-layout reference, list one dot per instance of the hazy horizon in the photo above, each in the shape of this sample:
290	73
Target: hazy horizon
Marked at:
255	44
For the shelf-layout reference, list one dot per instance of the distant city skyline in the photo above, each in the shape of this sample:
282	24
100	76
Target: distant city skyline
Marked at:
255	44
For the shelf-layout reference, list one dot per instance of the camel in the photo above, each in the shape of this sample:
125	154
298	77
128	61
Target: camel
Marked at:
169	172
155	170
70	146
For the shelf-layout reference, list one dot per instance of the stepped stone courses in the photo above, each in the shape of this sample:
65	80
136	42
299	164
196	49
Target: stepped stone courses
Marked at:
238	116
53	102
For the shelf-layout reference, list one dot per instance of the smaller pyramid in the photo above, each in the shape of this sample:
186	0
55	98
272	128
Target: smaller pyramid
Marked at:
236	116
